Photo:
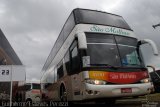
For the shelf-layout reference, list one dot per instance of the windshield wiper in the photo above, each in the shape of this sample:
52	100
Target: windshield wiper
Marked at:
105	65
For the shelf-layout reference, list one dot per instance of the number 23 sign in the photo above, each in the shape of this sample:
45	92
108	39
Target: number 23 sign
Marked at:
15	71
5	73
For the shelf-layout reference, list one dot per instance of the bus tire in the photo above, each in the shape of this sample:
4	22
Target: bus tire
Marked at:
63	93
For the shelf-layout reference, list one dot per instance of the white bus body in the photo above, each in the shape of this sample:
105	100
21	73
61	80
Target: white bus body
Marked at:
117	78
28	92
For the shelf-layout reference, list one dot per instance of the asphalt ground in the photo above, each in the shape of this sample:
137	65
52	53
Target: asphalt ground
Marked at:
152	100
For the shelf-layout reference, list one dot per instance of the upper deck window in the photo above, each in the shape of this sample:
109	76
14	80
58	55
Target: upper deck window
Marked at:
100	18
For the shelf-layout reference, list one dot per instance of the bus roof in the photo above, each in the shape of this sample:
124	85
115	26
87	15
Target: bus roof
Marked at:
87	16
84	16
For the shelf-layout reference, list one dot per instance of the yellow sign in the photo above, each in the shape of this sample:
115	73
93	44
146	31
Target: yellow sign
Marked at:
100	75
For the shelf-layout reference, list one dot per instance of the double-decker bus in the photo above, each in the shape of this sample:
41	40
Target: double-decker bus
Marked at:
96	56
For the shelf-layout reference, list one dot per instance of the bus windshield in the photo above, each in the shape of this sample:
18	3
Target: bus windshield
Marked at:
128	51
102	49
35	86
112	50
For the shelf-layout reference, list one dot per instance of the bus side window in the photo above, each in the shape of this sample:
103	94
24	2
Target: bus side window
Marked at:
75	60
55	75
67	63
60	72
27	87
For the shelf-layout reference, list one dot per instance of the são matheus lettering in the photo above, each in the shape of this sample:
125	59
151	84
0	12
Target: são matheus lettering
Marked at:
123	76
111	30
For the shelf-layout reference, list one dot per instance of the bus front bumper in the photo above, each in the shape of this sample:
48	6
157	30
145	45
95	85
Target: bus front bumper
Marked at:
105	91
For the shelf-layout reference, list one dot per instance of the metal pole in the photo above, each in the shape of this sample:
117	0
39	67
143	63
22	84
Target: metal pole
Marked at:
154	26
11	89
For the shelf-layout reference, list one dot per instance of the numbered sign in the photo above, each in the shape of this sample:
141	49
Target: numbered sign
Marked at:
5	73
17	72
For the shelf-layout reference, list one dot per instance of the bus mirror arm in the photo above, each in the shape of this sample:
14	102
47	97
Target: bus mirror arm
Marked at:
150	42
82	42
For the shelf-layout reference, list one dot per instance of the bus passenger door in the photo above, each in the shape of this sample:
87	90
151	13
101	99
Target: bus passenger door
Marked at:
74	70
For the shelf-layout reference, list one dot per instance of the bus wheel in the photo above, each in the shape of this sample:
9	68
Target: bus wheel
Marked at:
63	93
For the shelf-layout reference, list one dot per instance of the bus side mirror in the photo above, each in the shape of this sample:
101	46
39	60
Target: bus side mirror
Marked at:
154	70
82	42
150	42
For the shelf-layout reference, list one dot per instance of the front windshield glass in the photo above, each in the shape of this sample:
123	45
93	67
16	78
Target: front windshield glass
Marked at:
128	51
36	86
102	49
112	50
28	87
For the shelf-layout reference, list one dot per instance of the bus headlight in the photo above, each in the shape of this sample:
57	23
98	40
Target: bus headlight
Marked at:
96	82
146	80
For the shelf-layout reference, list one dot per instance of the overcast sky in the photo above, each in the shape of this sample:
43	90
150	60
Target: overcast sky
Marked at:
32	26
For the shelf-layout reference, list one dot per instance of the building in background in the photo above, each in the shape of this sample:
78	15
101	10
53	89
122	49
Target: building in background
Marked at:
7	57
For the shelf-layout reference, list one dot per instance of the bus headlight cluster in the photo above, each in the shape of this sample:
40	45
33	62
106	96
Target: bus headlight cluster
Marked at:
146	80
96	82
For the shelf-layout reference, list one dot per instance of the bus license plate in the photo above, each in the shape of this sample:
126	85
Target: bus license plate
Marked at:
126	90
